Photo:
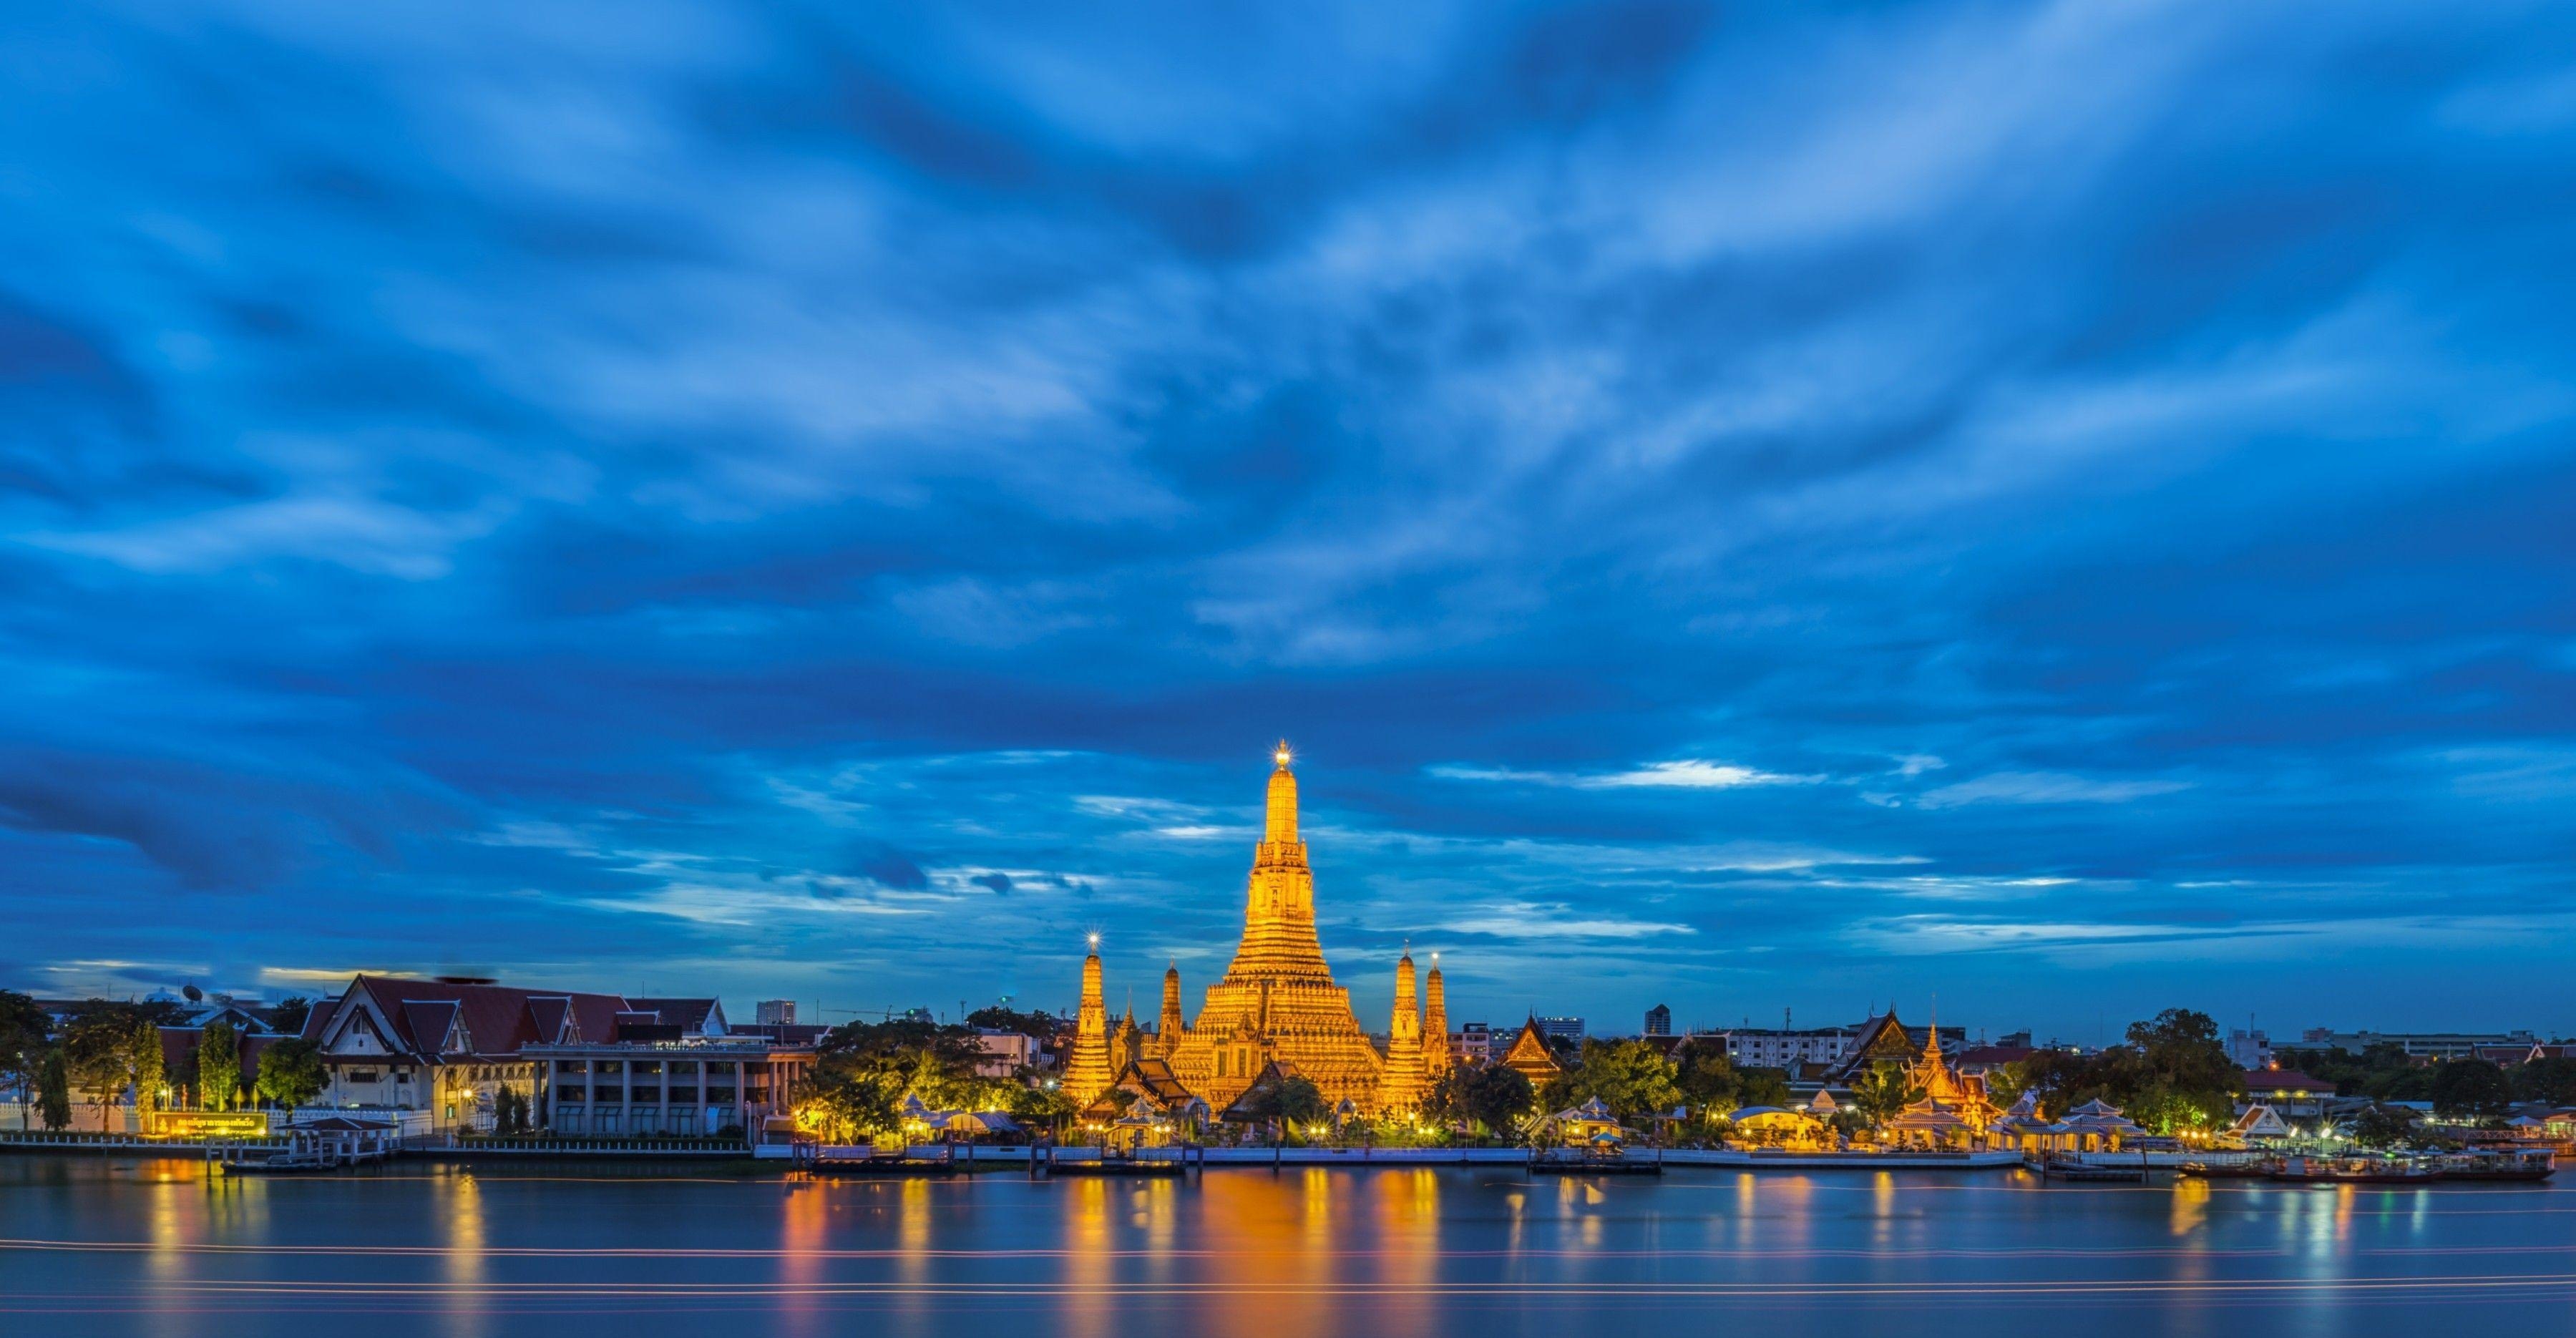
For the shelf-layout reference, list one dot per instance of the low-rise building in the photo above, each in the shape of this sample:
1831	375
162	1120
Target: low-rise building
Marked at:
2417	1044
682	1086
1782	1048
1004	1052
2290	1093
447	1048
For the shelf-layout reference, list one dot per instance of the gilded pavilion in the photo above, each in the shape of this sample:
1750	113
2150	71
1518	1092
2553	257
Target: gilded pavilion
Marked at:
1277	1003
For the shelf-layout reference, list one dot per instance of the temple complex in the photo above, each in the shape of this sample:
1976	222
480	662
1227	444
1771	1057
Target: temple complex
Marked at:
1276	1006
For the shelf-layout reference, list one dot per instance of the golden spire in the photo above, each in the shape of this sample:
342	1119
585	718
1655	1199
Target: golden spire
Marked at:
1280	828
1086	1070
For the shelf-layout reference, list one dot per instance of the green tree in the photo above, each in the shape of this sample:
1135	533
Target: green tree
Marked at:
1485	1097
102	1056
219	1065
1882	1091
1042	1025
149	1071
1762	1087
54	1090
2173	1074
1042	1108
2471	1089
24	1030
290	1072
2054	1074
288	1017
2384	1127
1631	1077
843	1103
2552	1080
1705	1076
1293	1103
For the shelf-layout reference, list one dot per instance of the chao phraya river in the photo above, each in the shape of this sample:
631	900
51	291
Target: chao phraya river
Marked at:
98	1248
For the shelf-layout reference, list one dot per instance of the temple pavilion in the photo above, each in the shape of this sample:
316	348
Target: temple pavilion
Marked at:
1953	1112
1277	1003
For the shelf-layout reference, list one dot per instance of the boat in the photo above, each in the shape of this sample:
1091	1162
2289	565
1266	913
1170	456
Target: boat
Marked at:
2225	1170
2517	1166
1592	1161
284	1163
2085	1173
2310	1170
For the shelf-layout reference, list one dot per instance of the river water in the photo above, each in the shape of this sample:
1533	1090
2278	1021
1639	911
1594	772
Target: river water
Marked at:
97	1248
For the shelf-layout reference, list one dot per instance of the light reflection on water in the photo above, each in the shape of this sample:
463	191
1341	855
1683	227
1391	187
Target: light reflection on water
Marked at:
105	1248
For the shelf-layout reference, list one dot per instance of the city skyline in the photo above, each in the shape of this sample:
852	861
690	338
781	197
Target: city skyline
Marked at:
2061	508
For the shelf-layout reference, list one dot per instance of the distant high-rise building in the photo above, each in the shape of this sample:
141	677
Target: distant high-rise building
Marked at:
1475	1042
1561	1028
1659	1021
775	1012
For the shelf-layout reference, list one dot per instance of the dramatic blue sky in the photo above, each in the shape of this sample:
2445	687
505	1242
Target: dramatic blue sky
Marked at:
2069	507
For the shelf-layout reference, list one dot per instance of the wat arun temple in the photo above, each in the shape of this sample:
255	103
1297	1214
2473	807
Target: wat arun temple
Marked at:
1275	1013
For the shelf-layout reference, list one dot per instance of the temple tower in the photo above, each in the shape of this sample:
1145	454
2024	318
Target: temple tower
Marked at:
1170	1028
1086	1070
1277	997
1435	1024
1400	1087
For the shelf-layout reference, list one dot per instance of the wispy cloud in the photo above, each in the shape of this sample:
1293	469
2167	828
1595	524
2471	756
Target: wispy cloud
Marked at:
1685	774
2045	787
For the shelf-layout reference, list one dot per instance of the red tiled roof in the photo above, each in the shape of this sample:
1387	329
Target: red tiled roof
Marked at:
499	1019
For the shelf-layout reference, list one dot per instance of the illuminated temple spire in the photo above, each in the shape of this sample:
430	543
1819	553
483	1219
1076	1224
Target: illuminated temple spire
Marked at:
1400	1087
1086	1070
1277	1000
1435	1023
1279	901
1169	1028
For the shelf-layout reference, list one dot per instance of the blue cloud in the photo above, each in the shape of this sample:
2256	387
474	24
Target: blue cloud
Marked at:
2056	504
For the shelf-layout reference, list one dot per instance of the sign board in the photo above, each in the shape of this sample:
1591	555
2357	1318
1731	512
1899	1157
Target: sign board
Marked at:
200	1124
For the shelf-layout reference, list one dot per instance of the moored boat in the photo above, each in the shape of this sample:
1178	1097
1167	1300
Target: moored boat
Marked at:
2225	1170
2497	1167
2364	1170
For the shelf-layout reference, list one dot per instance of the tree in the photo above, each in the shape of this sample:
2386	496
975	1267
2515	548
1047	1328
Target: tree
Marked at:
2172	1074
1707	1079
2383	1126
1883	1091
2551	1080
288	1017
23	1032
842	1104
1042	1025
219	1065
1489	1097
54	1090
149	1074
2471	1089
1631	1077
102	1054
2054	1074
1292	1102
1045	1108
290	1072
1762	1087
